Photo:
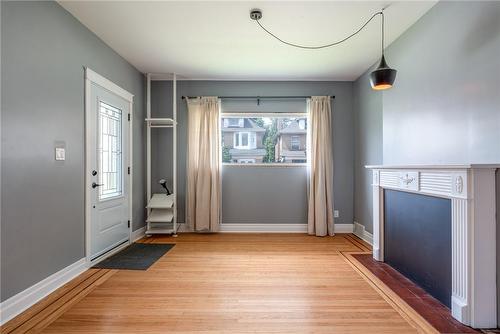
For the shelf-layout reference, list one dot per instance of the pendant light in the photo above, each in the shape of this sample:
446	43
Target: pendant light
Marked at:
383	77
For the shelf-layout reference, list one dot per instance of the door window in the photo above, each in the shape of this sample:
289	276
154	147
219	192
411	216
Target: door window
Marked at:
109	151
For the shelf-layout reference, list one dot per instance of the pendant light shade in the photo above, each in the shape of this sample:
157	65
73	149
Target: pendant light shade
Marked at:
383	77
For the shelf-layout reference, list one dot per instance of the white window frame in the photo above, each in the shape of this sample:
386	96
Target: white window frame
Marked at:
251	140
270	115
241	123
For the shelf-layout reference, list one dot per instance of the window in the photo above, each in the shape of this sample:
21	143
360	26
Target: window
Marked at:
302	123
245	140
295	143
234	122
110	151
268	139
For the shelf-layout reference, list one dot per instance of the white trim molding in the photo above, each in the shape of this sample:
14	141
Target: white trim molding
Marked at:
108	84
263	228
16	304
138	234
471	189
343	228
362	233
277	228
266	165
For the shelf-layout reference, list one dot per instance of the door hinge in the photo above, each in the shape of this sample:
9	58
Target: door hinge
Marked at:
128	223
129	117
128	170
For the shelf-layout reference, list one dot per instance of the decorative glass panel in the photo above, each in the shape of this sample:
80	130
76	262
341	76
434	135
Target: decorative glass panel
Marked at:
109	151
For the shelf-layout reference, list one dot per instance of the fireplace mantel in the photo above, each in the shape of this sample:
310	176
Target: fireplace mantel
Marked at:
471	189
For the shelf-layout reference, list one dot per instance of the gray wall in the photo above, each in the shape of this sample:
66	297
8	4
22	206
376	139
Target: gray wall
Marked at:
249	193
445	104
43	52
275	195
367	106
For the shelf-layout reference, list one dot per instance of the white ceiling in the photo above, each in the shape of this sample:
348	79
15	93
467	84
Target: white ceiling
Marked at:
217	39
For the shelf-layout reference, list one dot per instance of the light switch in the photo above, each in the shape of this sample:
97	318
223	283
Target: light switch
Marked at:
336	214
60	153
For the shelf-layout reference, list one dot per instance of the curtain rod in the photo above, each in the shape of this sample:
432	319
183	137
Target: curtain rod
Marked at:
256	97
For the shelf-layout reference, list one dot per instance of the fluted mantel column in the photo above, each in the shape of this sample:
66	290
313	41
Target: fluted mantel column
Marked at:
471	189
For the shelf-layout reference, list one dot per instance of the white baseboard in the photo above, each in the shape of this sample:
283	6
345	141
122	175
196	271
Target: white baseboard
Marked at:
264	228
359	231
138	234
183	228
25	299
343	228
277	228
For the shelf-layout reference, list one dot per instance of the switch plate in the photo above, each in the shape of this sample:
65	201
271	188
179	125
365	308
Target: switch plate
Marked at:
336	214
60	153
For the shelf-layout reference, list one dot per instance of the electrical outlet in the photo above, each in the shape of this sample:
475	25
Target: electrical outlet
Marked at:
336	214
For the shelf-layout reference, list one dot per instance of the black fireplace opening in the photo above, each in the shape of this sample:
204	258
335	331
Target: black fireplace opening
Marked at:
417	240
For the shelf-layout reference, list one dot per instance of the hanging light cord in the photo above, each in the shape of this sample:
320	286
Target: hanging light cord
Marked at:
316	47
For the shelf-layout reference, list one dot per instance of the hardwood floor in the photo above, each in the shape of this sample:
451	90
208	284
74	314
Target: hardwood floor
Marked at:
429	311
234	283
50	308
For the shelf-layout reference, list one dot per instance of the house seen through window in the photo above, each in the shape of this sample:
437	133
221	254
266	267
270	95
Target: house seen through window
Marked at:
272	139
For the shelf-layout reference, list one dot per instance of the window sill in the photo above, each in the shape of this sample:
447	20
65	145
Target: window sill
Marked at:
271	165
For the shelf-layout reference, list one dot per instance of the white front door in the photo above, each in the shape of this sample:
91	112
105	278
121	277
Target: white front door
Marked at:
108	140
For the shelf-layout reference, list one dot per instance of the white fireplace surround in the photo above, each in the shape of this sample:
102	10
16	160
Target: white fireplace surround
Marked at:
471	189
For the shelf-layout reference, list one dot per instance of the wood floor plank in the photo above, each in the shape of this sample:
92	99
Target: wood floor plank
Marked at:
412	316
63	304
238	283
363	245
30	313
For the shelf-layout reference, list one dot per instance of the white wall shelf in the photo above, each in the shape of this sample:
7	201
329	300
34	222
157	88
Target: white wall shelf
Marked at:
161	208
161	201
159	230
161	122
160	216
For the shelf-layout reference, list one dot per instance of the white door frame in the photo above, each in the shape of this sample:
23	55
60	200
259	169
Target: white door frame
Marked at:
93	77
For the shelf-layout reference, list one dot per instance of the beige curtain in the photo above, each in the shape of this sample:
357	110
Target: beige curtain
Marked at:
320	212
203	165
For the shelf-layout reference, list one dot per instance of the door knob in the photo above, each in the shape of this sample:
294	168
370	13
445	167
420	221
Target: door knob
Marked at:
95	185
